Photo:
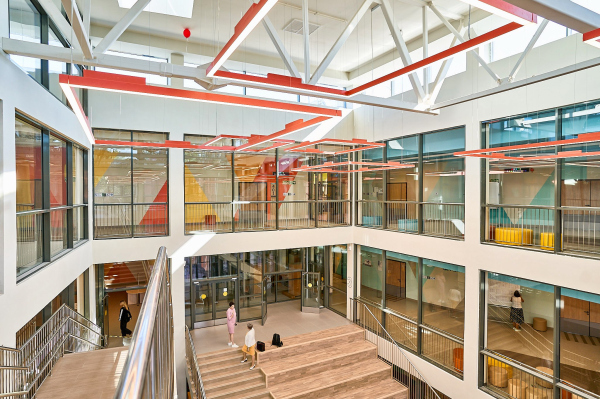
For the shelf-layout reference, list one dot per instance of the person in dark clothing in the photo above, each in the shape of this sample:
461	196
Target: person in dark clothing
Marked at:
124	318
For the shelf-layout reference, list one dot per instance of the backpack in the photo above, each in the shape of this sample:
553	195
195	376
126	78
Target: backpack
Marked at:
128	316
277	341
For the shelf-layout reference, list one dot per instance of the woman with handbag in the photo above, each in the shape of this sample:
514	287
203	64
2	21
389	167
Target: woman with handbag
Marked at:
231	318
249	347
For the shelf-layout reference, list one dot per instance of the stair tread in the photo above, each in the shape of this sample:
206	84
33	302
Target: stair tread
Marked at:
316	336
235	388
321	355
254	394
221	367
227	373
235	380
221	357
327	378
381	390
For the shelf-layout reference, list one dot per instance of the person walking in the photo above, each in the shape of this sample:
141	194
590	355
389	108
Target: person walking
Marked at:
249	347
124	318
516	310
231	318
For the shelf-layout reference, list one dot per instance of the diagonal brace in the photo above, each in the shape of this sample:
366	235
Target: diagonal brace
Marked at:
120	27
78	27
352	24
524	54
443	72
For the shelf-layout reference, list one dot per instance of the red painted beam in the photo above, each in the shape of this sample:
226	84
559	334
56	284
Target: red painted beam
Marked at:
505	10
592	37
459	48
115	82
375	166
251	18
362	145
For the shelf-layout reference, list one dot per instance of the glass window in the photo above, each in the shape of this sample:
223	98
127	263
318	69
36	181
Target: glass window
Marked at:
78	195
401	287
443	296
25	24
444	174
211	266
338	275
403	184
28	154
58	172
371	274
55	68
506	311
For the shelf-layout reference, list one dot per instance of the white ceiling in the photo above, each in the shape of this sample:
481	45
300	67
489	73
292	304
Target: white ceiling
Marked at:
213	21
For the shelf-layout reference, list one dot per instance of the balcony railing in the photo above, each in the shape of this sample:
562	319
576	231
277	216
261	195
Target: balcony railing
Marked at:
127	220
443	349
228	217
580	228
437	219
523	226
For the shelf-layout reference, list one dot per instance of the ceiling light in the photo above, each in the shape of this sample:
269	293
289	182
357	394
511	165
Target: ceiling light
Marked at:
253	16
592	37
395	145
505	10
179	8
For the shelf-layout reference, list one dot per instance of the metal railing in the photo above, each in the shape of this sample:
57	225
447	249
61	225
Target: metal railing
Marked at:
228	217
26	332
402	216
445	220
388	350
527	226
194	378
580	229
442	348
127	220
370	213
148	371
23	370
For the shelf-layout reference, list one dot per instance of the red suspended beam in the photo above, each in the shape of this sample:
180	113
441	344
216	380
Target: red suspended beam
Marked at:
375	166
459	48
592	37
253	16
291	127
583	138
126	84
505	10
362	145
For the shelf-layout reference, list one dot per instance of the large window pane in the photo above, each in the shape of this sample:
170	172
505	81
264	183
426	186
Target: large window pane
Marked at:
28	154
25	24
444	176
401	287
371	274
58	172
58	231
403	184
579	338
533	345
78	188
30	241
443	296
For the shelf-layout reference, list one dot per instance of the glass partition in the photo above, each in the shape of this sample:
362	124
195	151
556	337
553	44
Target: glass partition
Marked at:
371	274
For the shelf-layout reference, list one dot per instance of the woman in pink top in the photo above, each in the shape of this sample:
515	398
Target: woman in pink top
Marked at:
231	317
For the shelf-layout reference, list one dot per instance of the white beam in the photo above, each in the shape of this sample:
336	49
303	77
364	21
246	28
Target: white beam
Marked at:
484	64
402	48
366	6
81	34
86	11
532	42
425	51
580	66
306	34
443	72
563	12
59	20
62	54
121	26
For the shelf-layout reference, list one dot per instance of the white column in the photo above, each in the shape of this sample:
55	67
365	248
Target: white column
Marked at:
3	20
92	294
177	59
81	299
350	280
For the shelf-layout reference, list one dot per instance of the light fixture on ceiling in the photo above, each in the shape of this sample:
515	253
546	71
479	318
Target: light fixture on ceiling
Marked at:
253	17
363	166
505	10
592	37
357	144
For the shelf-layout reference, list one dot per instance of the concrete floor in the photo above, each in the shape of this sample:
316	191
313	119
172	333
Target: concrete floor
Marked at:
285	319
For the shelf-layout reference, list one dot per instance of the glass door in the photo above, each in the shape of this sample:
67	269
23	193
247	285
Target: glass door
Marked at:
203	305
211	301
225	292
311	292
336	279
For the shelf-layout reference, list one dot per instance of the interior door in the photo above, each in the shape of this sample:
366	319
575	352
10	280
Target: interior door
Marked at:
311	292
594	319
575	316
203	305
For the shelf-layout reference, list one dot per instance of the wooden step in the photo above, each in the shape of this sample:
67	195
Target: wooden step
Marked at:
211	362
237	390
294	367
219	353
310	344
254	394
226	374
232	368
388	389
334	381
214	388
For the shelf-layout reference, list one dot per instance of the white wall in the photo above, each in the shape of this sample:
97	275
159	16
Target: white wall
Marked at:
20	302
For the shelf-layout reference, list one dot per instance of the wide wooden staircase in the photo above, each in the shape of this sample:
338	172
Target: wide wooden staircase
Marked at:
334	363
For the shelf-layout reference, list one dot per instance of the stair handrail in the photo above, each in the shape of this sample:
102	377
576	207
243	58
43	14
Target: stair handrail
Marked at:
193	369
149	368
413	369
37	356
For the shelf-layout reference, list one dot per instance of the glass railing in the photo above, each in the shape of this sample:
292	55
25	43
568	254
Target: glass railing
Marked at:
228	217
127	220
437	219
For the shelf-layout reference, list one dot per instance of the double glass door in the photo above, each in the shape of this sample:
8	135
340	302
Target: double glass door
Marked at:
211	300
311	292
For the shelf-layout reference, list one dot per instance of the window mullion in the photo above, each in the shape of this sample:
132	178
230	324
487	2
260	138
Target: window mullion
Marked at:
70	194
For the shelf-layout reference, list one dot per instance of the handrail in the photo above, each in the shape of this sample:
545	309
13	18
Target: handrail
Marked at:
149	367
443	334
518	206
193	374
579	392
400	350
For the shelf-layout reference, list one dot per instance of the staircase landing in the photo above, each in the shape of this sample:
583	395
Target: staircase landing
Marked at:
89	375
